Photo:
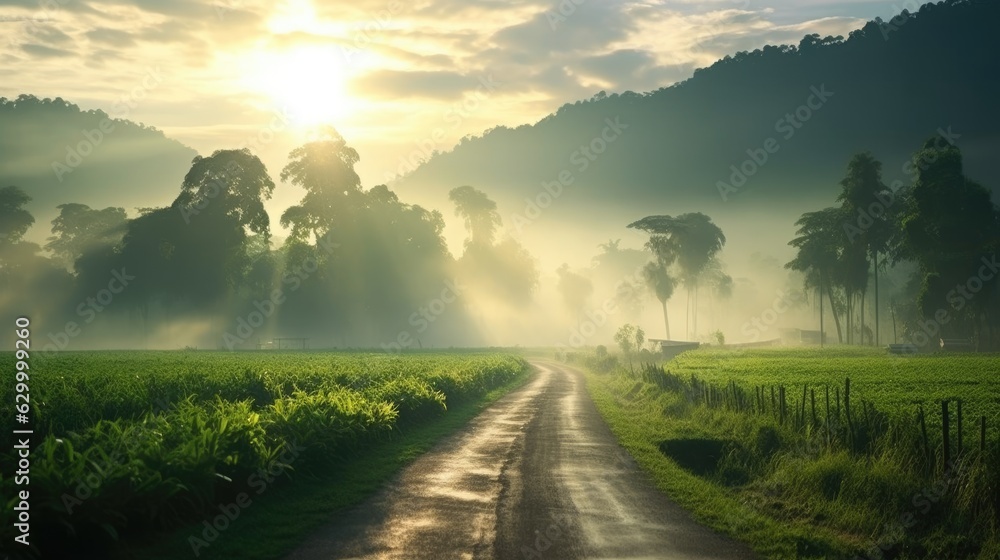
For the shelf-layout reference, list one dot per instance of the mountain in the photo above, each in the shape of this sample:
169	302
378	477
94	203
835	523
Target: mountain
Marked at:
58	154
789	116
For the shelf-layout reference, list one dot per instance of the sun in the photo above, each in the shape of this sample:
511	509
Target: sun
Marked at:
309	82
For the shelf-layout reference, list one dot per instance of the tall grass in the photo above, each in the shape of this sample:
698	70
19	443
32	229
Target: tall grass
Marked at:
128	442
875	473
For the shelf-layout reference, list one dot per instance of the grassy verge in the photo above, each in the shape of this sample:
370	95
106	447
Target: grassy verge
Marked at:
282	516
641	426
787	495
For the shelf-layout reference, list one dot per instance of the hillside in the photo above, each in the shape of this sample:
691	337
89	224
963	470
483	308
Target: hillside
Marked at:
58	154
886	88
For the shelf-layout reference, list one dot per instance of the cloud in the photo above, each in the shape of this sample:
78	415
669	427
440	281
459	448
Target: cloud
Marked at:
393	84
419	57
639	69
112	37
42	51
588	27
50	35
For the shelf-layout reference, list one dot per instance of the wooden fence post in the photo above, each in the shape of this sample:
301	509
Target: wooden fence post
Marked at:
927	444
958	453
847	412
812	405
945	433
783	407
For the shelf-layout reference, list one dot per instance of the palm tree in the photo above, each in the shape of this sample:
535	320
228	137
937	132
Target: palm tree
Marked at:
662	284
695	241
819	245
863	188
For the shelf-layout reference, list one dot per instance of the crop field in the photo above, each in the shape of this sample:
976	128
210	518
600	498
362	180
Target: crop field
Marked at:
892	383
127	442
771	446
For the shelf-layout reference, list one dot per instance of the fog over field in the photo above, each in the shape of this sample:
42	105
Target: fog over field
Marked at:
569	279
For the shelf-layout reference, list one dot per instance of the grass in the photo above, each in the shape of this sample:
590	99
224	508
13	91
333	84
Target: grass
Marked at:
887	380
129	444
279	521
785	489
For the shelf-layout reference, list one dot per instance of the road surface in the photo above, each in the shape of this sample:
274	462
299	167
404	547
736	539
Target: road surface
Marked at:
538	474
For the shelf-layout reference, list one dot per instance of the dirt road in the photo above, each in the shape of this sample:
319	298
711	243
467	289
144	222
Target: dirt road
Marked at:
537	475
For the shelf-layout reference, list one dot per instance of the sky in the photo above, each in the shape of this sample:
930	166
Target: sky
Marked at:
392	77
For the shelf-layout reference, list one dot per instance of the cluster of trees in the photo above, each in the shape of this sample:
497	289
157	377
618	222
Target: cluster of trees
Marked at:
358	265
685	250
944	227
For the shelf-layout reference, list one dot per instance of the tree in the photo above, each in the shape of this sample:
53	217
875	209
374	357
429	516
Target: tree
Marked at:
630	338
325	169
862	198
629	297
479	212
819	242
625	338
14	219
662	284
950	225
15	253
501	269
694	240
193	256
235	181
29	282
610	270
79	229
720	283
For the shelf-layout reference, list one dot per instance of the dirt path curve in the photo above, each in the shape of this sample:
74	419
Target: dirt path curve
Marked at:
537	475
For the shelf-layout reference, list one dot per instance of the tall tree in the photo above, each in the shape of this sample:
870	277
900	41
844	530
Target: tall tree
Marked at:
325	169
694	239
662	285
14	223
501	269
479	212
236	182
949	227
79	229
819	243
14	219
865	200
29	282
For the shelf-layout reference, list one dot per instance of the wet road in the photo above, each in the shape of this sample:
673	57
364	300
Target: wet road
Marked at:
537	475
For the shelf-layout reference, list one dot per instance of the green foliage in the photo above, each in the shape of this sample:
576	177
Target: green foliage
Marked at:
853	476
127	441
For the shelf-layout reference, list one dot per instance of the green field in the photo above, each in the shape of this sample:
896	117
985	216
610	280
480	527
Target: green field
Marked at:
813	482
896	383
133	444
893	379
